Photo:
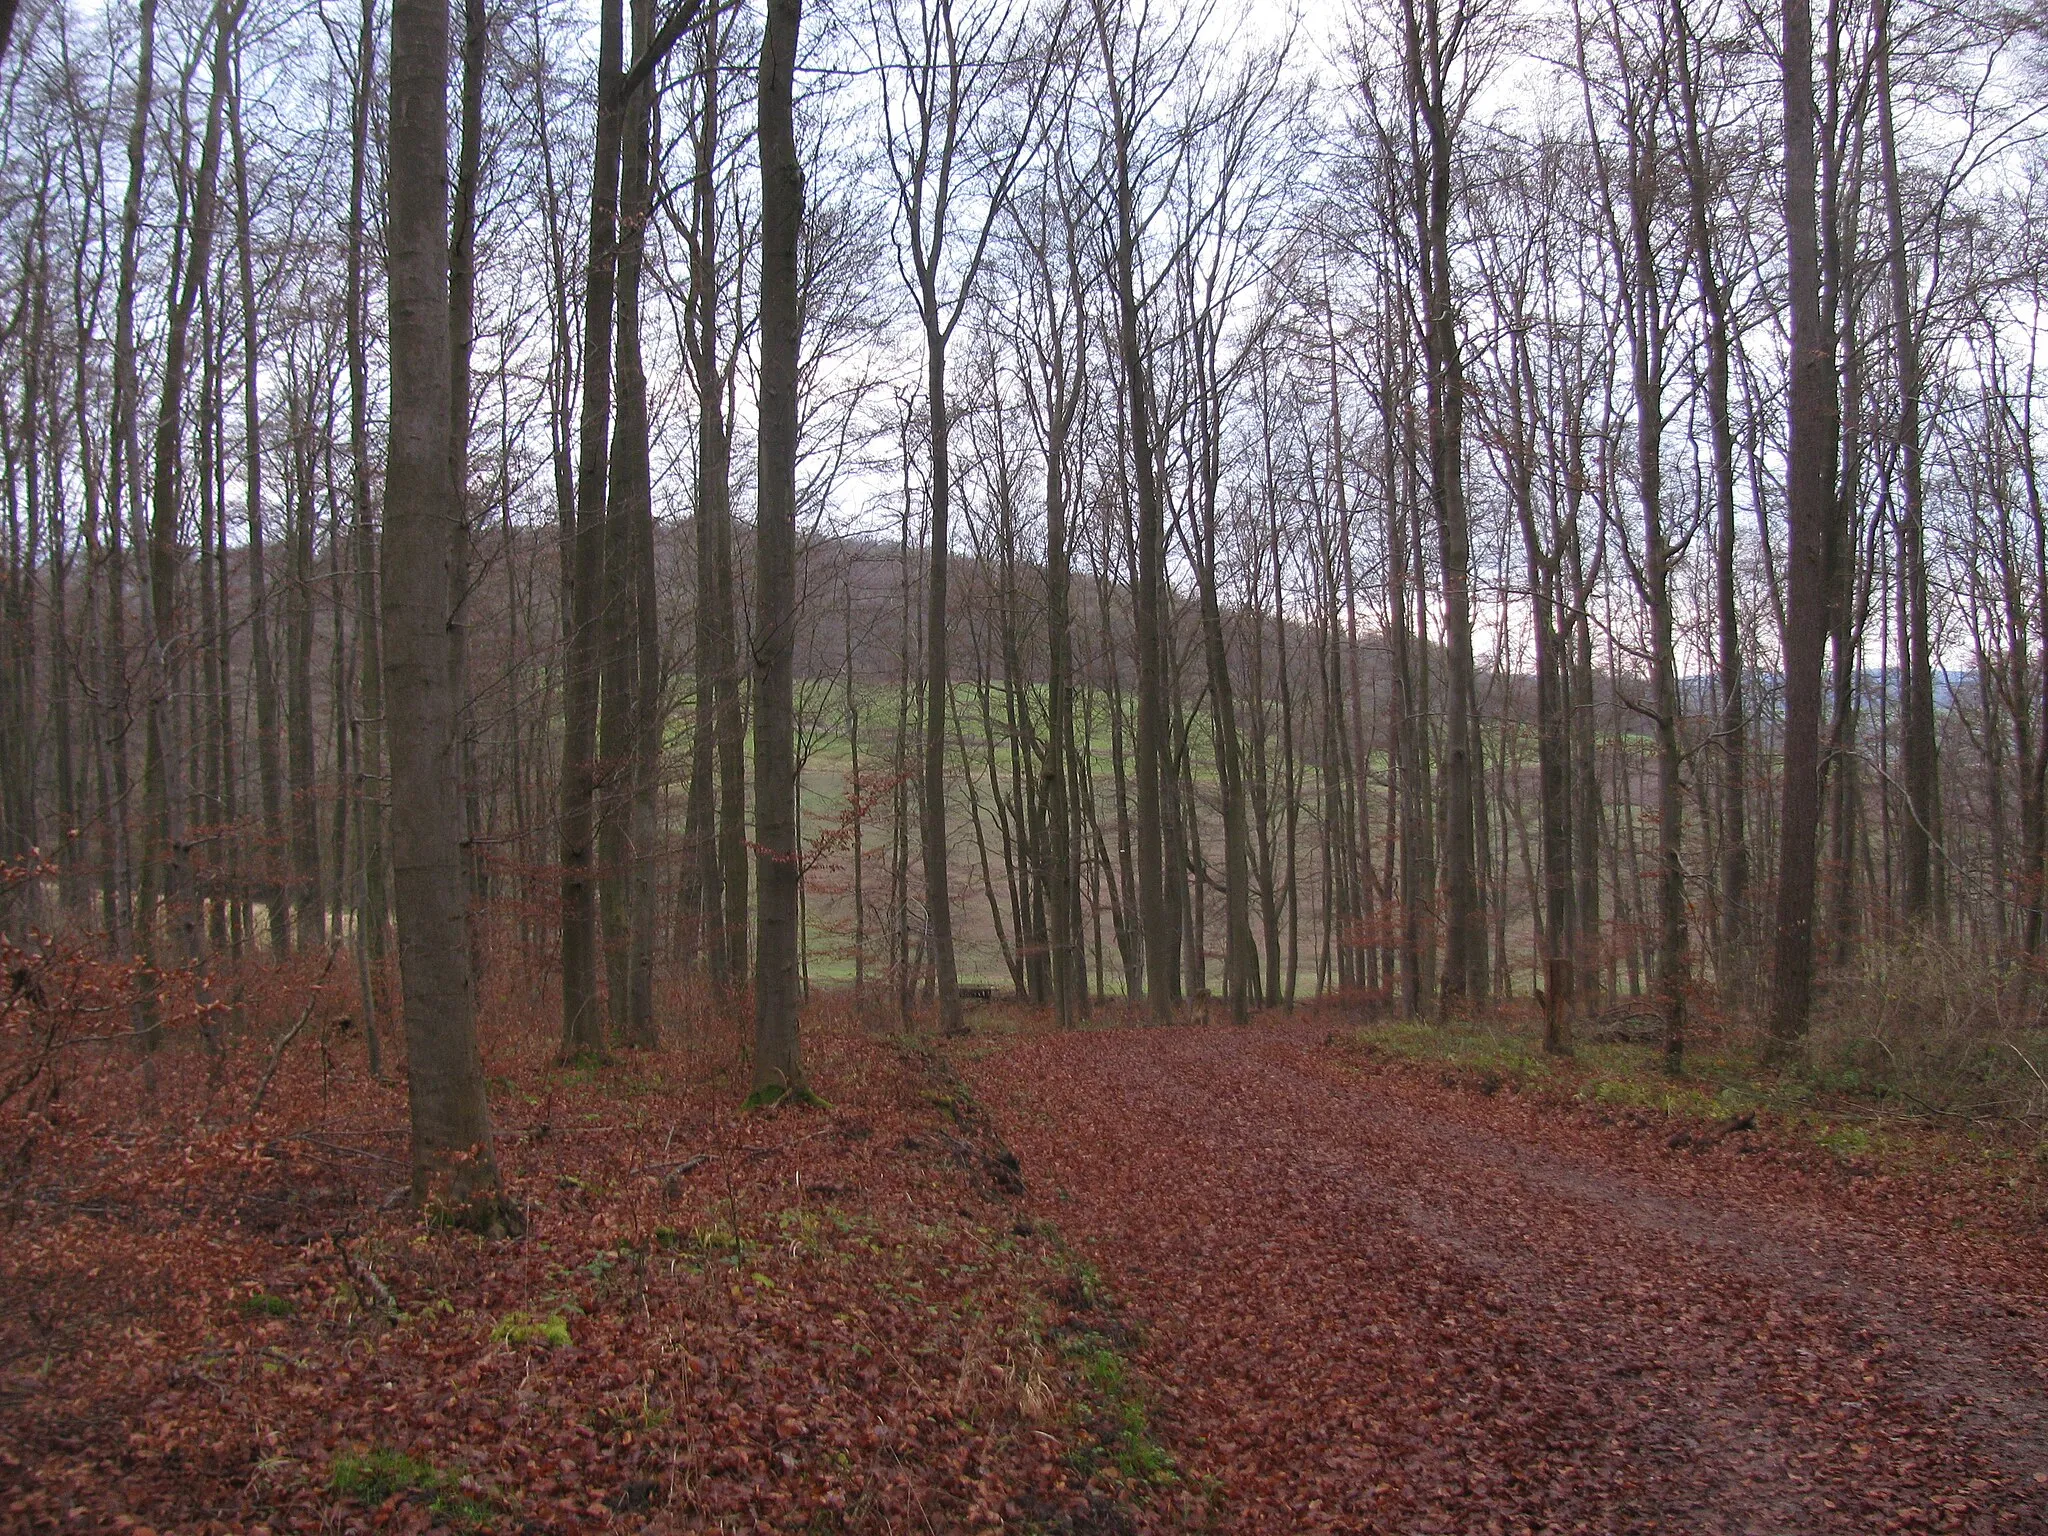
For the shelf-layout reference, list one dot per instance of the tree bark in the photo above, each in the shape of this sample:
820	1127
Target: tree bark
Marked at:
1813	421
1917	834
369	732
582	1022
170	857
631	684
270	769
778	1062
1156	916
454	1167
1429	62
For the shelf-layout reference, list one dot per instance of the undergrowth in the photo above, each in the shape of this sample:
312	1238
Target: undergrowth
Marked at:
1930	1029
1853	1113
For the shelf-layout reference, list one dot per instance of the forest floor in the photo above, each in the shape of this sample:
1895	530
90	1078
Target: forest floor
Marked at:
1373	1292
1317	1274
818	1318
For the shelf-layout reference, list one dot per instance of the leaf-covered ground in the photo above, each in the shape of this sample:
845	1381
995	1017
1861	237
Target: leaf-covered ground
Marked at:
815	1320
1261	1281
1373	1301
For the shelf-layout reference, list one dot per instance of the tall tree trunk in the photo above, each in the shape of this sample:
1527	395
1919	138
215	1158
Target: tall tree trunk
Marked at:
632	747
1428	63
309	909
1813	421
454	1167
1557	941
462	238
778	1062
938	677
269	765
1156	914
1069	964
704	869
617	645
1660	557
1719	341
1917	833
369	736
125	494
164	761
582	1022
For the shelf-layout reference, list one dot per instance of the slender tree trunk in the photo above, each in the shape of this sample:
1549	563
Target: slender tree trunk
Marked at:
633	660
1813	416
1069	964
778	1063
938	678
1155	912
704	867
1917	834
617	621
269	765
1465	969
125	504
164	760
1719	341
1557	940
582	1022
1240	961
462	238
369	735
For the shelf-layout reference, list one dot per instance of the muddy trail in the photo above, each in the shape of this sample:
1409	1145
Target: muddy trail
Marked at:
1370	1301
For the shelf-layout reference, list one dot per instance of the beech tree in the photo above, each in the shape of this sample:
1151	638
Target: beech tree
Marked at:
453	1164
1374	542
778	1062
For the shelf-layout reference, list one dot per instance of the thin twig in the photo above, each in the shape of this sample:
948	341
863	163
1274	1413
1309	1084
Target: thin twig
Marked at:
330	1146
277	1053
360	1268
684	1166
2043	1081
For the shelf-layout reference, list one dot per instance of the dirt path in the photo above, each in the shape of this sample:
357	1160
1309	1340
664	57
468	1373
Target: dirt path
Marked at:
1377	1304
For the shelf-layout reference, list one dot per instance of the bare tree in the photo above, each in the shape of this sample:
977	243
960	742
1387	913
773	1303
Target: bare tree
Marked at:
948	143
1814	419
582	1023
454	1167
778	1061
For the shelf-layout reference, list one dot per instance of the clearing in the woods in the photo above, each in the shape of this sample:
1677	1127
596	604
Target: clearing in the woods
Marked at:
1303	1277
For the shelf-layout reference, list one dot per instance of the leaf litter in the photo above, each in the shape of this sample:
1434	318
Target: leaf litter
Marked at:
806	1319
1373	1301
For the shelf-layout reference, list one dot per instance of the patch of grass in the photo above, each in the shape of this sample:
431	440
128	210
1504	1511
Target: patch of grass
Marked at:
1848	1142
1104	1369
770	1095
630	1417
264	1304
1139	1457
1820	1102
1485	1051
375	1475
379	1474
1662	1094
719	1243
1495	1055
1122	1424
520	1329
1083	1286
